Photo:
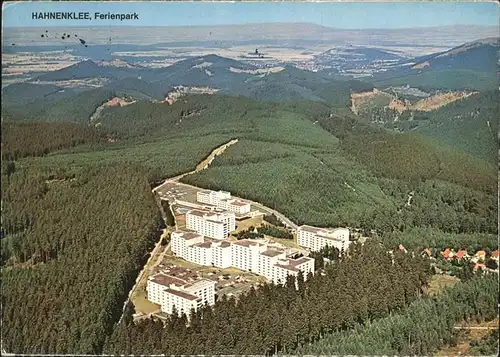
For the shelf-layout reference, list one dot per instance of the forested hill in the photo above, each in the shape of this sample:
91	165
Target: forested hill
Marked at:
469	66
78	216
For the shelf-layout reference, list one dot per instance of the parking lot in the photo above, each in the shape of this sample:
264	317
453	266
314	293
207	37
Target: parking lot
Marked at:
173	191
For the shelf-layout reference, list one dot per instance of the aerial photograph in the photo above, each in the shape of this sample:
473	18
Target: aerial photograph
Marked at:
250	178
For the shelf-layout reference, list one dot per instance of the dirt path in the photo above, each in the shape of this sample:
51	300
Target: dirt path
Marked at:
470	332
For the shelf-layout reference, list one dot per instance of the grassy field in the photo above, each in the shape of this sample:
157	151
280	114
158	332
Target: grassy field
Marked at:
247	223
439	282
290	243
142	304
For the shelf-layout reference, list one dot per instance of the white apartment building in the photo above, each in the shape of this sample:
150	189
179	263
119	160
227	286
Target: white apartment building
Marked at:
316	238
216	225
244	254
221	254
169	292
200	253
193	248
267	260
288	266
181	240
212	197
222	200
236	206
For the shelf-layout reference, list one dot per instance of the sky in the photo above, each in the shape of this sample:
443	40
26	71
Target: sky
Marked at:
335	14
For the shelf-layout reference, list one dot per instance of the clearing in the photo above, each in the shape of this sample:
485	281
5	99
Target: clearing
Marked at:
439	282
439	100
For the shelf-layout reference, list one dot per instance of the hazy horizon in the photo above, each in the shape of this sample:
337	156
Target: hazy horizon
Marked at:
258	24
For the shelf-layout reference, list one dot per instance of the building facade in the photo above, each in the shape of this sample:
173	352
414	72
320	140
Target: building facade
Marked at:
216	225
195	249
172	293
247	255
316	238
222	200
212	197
236	206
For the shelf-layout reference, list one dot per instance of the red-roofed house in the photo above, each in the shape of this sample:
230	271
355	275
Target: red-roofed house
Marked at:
461	254
494	255
447	253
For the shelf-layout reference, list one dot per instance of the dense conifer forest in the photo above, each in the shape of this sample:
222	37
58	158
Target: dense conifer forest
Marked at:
419	330
72	250
39	138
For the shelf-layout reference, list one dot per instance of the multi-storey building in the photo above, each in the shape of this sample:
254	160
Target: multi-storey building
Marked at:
221	254
222	200
216	225
316	238
267	260
173	293
285	267
180	240
212	197
236	206
194	248
200	253
244	254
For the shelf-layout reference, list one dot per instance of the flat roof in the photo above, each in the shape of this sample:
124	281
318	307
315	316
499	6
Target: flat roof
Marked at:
199	284
166	280
246	243
183	294
239	203
214	221
311	229
203	245
190	235
330	238
199	213
287	267
272	253
223	244
299	261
